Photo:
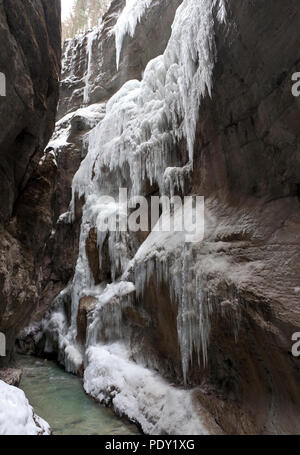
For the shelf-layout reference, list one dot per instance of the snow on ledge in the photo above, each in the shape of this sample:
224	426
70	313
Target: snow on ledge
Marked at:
17	416
139	393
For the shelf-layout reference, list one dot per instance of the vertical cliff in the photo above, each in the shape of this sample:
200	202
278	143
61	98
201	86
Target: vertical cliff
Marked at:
30	59
88	79
90	73
149	319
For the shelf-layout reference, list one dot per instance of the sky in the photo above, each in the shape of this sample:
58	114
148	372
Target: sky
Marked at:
66	6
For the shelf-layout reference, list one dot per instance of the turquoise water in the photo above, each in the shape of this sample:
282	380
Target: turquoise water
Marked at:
59	398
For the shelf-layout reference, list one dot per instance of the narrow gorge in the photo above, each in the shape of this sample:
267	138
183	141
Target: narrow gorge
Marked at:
179	332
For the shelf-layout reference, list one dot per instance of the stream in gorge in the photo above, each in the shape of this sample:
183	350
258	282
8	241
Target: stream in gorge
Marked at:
59	398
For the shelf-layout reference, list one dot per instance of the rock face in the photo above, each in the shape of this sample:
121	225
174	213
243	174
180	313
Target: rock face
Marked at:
30	58
12	376
247	158
215	316
89	78
89	72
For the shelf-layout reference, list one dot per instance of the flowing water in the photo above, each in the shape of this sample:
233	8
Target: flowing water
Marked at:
58	397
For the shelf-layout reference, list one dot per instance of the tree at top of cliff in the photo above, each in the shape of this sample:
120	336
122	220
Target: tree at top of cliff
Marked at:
85	15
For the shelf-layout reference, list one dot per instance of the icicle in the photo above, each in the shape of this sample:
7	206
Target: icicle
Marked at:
89	51
105	322
133	143
127	22
145	119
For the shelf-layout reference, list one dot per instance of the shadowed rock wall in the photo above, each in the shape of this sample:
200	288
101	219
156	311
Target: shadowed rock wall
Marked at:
30	55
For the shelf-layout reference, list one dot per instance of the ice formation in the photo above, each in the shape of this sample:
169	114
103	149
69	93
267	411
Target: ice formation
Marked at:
145	119
87	117
82	44
140	394
127	22
167	258
133	147
69	57
17	416
89	50
106	319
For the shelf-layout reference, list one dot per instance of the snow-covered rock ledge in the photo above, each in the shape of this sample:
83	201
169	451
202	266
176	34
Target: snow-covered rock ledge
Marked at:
17	417
140	394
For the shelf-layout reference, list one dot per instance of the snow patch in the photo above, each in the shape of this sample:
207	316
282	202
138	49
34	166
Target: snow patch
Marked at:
140	394
17	416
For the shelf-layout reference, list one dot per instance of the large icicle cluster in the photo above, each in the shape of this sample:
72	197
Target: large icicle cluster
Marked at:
135	139
145	119
134	142
133	147
166	258
127	22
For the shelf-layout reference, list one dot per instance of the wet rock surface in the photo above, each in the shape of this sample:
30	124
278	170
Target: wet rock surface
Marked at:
246	164
75	120
104	79
30	58
247	158
12	376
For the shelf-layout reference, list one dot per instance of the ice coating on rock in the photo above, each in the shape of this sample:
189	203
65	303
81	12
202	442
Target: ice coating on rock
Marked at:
145	119
133	147
127	22
137	392
135	139
91	37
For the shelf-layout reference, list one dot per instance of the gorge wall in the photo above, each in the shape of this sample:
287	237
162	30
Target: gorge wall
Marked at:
187	97
30	59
